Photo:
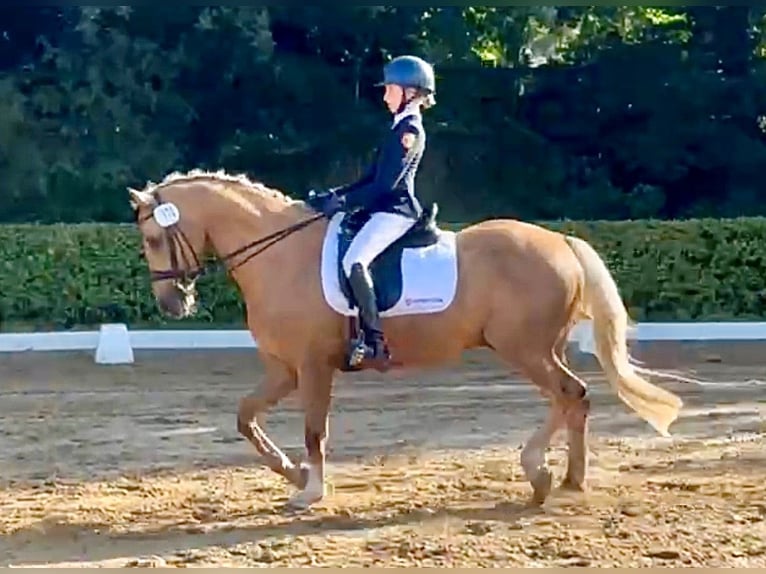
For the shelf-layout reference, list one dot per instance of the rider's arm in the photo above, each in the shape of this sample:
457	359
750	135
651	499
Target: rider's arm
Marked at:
392	166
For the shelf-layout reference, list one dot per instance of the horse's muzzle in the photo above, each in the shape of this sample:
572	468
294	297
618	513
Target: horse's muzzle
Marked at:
176	303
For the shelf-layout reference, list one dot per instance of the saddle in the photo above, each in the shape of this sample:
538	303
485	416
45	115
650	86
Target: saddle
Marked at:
424	232
386	268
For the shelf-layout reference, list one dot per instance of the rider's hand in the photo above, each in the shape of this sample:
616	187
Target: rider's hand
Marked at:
332	204
316	198
325	201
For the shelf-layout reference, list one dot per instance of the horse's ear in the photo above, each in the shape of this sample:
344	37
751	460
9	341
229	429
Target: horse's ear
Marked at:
138	198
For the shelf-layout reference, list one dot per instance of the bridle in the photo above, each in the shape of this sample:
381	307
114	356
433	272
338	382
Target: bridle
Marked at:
178	243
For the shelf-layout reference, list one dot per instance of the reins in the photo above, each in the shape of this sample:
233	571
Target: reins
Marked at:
177	240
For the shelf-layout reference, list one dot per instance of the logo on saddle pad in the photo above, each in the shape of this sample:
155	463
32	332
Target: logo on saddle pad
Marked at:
426	301
415	275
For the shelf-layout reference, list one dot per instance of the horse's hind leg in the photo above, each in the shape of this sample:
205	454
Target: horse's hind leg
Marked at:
541	373
577	411
280	381
567	395
533	455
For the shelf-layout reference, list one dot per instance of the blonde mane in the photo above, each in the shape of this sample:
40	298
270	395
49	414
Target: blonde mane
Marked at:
220	176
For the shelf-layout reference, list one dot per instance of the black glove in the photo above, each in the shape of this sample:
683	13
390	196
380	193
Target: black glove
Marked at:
326	202
315	199
332	204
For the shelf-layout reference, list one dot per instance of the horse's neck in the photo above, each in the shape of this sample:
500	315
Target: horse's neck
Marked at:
234	226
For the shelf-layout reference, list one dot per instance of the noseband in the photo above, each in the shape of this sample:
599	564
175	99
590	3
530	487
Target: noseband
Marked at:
178	243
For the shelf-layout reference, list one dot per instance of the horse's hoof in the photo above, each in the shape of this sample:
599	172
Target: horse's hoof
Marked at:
303	501
542	487
570	485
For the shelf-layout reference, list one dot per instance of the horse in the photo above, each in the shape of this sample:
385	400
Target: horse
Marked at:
510	286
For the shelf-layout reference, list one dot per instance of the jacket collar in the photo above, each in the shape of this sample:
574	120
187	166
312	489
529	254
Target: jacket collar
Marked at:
412	109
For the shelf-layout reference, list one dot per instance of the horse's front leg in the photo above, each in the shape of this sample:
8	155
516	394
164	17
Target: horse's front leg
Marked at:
315	385
280	381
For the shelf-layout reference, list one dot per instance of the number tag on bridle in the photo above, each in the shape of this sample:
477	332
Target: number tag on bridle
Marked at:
166	215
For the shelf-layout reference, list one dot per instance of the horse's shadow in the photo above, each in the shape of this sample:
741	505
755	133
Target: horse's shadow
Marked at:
40	544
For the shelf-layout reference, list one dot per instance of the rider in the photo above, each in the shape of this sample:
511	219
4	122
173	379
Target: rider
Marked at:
387	190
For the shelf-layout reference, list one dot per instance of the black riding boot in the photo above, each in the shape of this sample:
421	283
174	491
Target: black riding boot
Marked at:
364	293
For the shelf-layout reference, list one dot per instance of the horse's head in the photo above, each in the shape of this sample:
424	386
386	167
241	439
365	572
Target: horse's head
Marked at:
173	243
186	216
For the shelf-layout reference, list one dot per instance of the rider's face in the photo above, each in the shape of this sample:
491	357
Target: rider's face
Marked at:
393	97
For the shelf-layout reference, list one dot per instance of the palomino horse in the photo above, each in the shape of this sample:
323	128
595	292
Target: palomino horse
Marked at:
513	287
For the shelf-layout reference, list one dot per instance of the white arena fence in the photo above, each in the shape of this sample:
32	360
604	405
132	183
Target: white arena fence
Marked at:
114	344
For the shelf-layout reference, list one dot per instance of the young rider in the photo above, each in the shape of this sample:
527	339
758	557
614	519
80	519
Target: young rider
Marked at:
387	190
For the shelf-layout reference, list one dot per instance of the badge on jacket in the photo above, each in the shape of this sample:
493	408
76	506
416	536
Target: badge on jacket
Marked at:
408	140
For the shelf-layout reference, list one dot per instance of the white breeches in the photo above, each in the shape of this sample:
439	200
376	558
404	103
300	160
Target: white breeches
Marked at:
380	231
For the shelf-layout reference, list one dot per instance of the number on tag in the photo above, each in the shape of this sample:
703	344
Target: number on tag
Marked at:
166	214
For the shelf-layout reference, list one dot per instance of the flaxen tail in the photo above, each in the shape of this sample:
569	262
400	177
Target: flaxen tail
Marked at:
602	302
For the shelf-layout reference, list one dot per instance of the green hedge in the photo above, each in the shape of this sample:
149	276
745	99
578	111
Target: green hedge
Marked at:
66	276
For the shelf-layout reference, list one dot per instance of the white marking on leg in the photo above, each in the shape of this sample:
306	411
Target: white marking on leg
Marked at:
533	454
314	491
532	459
315	487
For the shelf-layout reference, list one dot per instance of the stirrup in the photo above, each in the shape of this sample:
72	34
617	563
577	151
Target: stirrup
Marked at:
362	353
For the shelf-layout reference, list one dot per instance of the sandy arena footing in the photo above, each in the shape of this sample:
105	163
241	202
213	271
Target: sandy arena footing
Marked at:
143	466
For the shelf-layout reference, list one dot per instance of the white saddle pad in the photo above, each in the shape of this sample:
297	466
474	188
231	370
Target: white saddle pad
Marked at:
429	280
